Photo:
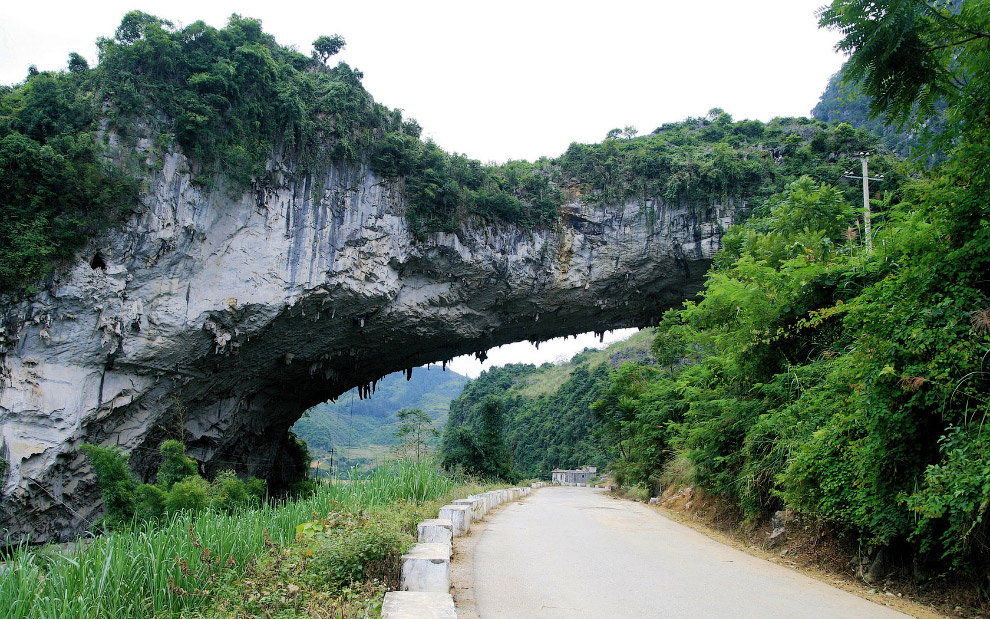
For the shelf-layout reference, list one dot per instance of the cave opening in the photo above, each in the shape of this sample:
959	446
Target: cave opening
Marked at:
356	431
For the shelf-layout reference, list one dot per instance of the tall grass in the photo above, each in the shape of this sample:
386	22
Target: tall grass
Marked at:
164	568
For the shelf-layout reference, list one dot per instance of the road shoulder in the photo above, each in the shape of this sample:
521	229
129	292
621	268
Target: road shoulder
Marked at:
831	578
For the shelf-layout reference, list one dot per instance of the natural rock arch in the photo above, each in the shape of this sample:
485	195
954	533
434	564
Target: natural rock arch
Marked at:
222	320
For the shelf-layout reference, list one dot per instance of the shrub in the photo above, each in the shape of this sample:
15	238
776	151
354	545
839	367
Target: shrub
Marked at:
302	488
117	483
149	502
355	547
191	494
257	489
177	466
228	493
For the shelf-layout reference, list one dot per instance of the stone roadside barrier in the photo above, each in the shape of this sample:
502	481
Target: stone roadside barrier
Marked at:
425	582
426	567
460	516
418	605
477	507
486	499
436	531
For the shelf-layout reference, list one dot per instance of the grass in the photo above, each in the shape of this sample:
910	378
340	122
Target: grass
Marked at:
172	568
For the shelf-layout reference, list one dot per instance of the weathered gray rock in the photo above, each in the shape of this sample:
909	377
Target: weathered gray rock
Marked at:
777	537
779	523
873	570
221	318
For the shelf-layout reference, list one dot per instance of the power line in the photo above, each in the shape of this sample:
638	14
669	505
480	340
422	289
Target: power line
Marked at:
867	212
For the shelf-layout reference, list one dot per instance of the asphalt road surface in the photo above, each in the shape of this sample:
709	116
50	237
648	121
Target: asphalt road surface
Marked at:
575	552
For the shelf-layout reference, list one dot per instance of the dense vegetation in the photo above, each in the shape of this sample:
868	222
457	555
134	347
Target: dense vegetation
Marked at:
543	414
846	384
179	487
332	554
55	189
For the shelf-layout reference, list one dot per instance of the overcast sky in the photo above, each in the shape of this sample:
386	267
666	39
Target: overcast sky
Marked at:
510	79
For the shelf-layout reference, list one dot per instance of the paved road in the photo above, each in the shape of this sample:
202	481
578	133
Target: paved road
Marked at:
574	552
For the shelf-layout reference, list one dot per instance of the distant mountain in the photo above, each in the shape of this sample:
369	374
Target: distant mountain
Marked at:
845	102
351	422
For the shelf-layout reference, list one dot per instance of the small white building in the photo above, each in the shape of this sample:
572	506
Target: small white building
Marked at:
573	476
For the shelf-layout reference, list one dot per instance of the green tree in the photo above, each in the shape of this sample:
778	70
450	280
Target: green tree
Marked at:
491	436
415	432
481	449
176	465
149	502
911	53
228	492
134	24
117	483
191	494
326	46
77	64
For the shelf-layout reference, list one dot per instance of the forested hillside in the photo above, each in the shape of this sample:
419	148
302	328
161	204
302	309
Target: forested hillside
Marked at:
848	384
844	102
542	414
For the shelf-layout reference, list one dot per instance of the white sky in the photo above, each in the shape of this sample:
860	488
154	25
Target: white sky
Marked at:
511	79
553	351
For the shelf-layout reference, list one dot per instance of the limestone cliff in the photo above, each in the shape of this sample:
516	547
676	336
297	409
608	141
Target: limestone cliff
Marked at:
220	320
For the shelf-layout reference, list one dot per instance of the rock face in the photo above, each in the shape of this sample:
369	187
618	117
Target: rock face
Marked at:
219	320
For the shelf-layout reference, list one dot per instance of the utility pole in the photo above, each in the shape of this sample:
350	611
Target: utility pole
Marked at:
867	213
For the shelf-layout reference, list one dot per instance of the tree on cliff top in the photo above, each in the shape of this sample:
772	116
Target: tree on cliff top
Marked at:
327	46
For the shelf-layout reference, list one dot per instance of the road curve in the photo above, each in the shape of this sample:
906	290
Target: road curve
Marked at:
577	553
